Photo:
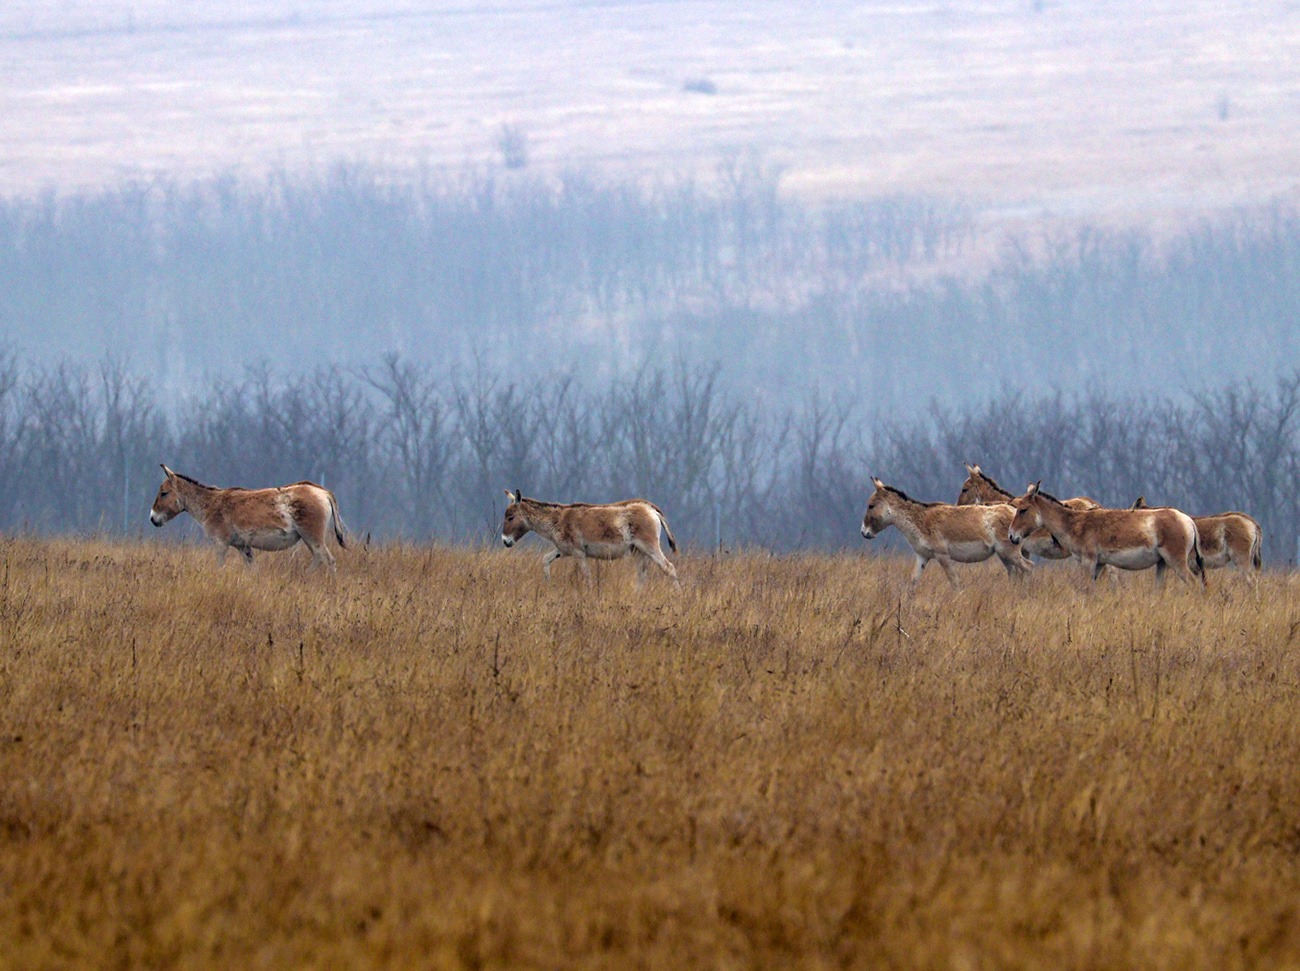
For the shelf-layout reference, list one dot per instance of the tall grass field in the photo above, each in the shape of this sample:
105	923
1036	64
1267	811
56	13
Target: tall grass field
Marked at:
438	759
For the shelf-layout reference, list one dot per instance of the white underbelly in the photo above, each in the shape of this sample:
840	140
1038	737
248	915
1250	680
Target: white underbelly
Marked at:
972	552
1216	559
604	551
1137	559
266	539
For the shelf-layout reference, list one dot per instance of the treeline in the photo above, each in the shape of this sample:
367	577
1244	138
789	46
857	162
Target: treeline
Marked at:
897	301
419	454
201	277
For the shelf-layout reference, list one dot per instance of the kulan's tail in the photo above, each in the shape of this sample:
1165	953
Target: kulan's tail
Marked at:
337	519
663	521
1198	562
1256	555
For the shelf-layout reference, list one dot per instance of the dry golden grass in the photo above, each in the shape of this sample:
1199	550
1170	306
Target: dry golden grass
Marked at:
437	759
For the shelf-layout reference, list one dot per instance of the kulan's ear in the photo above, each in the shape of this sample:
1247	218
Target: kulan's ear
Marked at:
166	471
1033	488
519	495
511	495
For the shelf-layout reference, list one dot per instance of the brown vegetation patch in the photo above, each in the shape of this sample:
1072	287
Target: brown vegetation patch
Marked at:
438	759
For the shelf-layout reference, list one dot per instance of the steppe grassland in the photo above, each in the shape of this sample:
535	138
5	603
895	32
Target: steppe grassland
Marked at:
438	758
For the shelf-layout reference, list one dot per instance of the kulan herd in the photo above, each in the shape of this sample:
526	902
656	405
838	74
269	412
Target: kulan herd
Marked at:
986	521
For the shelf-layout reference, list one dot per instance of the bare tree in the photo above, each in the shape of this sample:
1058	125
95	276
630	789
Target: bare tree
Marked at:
420	431
828	486
13	434
499	423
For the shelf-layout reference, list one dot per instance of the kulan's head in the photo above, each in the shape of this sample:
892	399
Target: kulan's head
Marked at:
879	513
972	490
514	525
1027	517
167	505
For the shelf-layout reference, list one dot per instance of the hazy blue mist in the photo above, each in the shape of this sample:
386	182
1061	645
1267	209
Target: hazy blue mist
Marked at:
895	302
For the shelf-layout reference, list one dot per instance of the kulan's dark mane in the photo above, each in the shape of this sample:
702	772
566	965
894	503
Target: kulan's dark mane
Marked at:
211	488
906	498
992	483
552	505
1051	498
193	482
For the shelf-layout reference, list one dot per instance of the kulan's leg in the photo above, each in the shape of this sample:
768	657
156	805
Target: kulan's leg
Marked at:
547	560
657	557
1015	562
1185	568
320	554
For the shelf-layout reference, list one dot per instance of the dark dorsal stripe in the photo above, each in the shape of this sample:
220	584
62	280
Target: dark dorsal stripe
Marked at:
568	505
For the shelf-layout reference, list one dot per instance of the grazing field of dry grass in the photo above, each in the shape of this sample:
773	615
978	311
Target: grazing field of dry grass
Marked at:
436	759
